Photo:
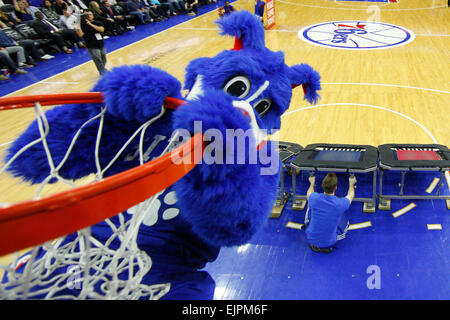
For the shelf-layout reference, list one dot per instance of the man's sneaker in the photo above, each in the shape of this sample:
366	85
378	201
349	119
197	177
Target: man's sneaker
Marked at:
24	65
2	77
317	249
47	57
20	71
130	27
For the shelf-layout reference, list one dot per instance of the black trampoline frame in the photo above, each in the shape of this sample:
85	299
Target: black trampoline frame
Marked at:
387	162
369	163
286	151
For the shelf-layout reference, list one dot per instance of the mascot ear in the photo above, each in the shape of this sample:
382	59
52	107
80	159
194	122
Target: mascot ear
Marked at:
303	74
245	27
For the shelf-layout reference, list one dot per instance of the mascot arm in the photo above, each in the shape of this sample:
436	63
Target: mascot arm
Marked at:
132	94
221	196
305	75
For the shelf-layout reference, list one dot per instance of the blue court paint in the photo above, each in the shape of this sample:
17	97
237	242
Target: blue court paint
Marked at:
413	262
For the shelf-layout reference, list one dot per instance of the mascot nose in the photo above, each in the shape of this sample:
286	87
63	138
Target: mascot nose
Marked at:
245	113
248	111
245	108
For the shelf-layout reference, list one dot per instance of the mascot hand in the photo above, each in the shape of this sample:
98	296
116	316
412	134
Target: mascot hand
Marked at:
226	129
137	92
221	196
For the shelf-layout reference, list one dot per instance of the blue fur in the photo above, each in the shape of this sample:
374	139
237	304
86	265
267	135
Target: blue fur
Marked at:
304	74
219	204
136	93
244	26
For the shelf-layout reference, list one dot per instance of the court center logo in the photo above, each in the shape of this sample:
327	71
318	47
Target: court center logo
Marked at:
356	35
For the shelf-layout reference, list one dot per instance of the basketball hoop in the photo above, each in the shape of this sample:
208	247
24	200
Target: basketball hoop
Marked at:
38	222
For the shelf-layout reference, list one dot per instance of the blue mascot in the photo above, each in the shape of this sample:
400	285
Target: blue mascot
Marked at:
218	203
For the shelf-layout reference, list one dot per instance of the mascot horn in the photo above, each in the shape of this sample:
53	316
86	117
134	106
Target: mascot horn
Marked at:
221	202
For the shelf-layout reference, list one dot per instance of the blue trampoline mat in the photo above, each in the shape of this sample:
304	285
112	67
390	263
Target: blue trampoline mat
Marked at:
338	155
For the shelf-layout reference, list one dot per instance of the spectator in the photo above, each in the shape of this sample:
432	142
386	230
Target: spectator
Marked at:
151	9
91	30
111	28
30	8
192	7
119	20
259	9
178	5
49	11
12	47
76	6
68	20
7	19
49	31
10	65
59	6
21	11
325	220
32	53
226	9
158	8
168	6
134	7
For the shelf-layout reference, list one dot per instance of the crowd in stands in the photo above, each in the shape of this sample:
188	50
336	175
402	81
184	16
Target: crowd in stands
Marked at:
33	30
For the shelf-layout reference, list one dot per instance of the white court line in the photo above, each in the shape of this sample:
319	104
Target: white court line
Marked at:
384	85
355	226
58	82
296	31
436	226
404	210
369	106
6	143
432	185
378	4
365	9
447	177
361	225
433	35
294	225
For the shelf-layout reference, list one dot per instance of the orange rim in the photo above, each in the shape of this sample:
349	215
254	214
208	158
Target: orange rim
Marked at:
10	103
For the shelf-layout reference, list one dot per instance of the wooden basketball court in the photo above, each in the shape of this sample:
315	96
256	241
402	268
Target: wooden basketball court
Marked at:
394	95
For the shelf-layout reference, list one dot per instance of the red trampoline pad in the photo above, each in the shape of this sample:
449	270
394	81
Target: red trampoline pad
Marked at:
417	155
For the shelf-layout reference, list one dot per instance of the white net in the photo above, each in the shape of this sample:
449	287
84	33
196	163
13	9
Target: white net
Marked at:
81	266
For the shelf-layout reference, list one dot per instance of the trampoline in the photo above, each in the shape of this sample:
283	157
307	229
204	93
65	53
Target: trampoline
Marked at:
287	151
413	157
336	158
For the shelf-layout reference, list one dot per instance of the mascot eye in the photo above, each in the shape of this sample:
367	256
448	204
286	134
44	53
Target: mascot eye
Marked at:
237	87
262	106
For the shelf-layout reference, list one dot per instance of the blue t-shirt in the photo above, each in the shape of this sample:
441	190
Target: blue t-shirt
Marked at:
325	214
228	9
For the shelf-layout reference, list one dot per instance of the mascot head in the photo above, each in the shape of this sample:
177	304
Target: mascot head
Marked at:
256	78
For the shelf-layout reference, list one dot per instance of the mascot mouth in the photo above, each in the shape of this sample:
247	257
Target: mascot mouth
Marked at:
242	105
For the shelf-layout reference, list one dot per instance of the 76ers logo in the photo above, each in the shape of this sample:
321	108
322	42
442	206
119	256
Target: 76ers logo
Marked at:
361	35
